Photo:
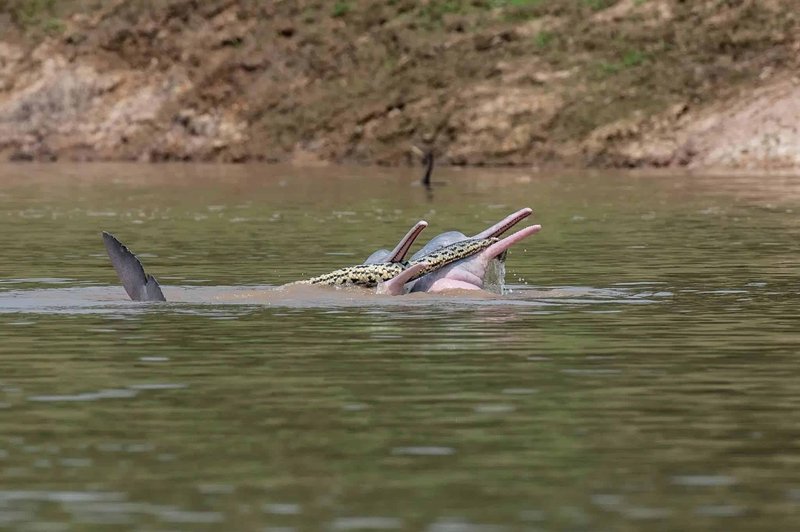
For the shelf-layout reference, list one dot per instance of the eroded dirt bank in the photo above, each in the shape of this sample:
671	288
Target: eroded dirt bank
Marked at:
521	82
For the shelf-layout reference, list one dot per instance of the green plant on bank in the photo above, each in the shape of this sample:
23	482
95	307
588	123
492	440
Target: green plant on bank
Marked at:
33	14
543	39
53	25
27	12
630	59
340	9
518	10
606	68
433	12
633	58
515	3
597	5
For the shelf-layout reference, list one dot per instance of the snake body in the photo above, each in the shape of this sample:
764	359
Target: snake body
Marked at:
369	275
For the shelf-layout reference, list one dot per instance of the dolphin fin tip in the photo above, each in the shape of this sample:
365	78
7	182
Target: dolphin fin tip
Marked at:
153	290
139	285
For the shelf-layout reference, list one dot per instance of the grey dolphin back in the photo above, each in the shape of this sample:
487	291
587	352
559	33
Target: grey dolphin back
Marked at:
378	257
439	241
139	285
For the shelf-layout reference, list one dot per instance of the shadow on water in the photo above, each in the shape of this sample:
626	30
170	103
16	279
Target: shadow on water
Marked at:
641	370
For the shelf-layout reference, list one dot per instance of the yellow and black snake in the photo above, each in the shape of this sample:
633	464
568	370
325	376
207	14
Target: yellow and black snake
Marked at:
369	275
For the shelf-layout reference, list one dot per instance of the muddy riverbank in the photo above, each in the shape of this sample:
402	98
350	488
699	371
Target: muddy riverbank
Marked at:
582	83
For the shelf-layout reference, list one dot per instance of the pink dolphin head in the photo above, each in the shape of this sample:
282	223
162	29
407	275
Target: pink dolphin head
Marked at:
469	273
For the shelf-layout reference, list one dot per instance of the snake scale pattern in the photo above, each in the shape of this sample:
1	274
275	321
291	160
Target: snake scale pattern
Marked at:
369	275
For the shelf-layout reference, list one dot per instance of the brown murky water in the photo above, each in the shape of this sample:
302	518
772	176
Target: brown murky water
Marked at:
641	372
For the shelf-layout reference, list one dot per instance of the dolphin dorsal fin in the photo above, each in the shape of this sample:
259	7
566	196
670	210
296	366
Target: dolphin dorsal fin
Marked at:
139	285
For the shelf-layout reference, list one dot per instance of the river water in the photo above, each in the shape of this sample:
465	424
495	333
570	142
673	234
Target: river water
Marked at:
641	371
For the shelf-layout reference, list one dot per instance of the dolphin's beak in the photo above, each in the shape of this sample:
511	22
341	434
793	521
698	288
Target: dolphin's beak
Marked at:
502	246
401	249
505	224
396	285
